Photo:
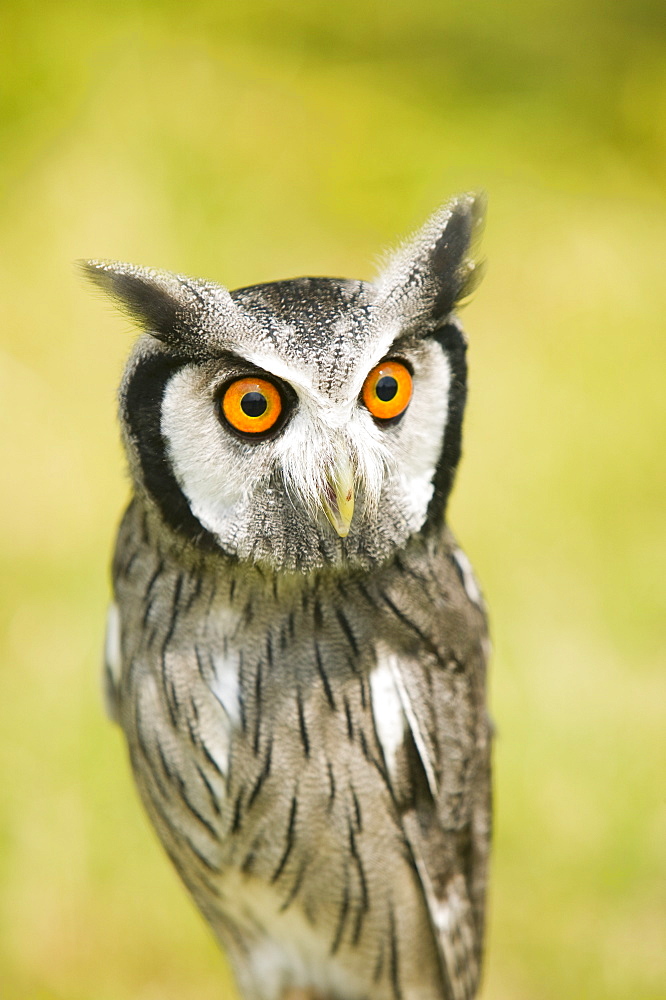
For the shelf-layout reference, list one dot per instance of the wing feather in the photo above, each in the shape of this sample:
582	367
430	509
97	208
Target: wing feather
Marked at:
441	780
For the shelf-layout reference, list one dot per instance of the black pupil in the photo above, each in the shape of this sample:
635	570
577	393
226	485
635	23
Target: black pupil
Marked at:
253	404
386	388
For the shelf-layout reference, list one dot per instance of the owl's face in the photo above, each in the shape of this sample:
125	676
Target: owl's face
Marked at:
300	423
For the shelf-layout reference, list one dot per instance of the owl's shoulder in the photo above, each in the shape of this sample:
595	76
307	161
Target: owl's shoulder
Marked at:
459	562
432	582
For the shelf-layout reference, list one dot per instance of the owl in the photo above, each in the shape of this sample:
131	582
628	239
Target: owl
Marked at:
296	649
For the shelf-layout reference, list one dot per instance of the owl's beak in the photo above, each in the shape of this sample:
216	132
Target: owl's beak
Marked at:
338	498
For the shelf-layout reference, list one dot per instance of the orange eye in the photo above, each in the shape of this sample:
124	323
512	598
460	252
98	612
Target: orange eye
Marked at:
251	405
387	390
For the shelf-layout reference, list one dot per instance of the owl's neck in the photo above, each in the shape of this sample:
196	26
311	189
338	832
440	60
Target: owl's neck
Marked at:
143	527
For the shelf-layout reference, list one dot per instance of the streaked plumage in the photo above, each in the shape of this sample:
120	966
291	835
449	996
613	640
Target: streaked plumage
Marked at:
303	689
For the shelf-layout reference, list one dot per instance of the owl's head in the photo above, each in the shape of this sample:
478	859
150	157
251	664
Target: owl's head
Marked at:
300	423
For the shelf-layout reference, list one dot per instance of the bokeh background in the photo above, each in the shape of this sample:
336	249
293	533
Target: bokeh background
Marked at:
254	140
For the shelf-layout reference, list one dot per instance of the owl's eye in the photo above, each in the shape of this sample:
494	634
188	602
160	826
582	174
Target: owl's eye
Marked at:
251	405
387	390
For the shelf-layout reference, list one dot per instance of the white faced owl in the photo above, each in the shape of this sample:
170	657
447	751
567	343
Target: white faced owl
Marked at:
296	649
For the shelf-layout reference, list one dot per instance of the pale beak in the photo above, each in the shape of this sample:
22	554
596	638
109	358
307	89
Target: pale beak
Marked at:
338	498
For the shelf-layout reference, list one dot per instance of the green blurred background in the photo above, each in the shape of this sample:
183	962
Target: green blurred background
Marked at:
257	140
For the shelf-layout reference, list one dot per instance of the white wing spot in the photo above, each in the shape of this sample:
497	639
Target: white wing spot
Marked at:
112	653
408	708
225	687
389	717
472	588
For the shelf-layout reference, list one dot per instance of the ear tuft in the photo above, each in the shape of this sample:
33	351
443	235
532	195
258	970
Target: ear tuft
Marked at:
436	267
166	305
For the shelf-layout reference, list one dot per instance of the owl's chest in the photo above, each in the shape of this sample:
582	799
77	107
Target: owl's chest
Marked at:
267	735
253	702
249	699
258	759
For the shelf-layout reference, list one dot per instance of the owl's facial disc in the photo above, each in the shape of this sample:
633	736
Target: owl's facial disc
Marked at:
283	469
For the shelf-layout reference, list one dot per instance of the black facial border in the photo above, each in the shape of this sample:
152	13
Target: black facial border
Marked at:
453	343
142	411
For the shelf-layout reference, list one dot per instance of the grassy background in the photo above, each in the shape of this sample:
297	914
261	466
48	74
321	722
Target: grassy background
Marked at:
254	140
